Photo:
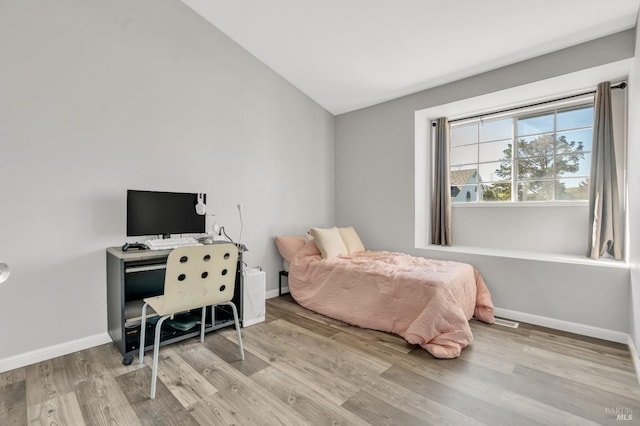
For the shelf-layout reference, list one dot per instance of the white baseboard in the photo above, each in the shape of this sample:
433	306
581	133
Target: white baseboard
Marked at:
274	293
572	327
49	352
634	357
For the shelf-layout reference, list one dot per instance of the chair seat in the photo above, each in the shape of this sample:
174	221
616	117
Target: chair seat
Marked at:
157	303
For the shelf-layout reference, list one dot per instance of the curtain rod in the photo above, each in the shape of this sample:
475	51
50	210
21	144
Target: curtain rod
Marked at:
617	86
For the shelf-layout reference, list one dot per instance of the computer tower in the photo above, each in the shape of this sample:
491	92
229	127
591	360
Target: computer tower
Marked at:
253	296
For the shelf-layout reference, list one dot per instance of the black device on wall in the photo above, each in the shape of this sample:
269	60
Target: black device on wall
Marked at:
163	213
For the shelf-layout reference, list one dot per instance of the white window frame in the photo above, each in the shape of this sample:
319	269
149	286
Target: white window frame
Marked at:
515	114
509	97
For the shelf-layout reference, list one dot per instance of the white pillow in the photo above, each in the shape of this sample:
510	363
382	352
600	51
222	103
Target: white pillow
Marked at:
329	242
351	240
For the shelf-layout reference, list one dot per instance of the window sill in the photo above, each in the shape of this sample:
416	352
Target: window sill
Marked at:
521	204
531	255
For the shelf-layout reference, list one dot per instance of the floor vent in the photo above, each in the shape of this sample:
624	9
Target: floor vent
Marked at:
507	323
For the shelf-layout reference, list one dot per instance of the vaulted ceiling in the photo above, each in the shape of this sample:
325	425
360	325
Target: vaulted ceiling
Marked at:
349	54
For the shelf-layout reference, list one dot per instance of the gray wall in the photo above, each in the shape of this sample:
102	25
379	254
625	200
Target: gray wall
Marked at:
97	97
375	193
633	175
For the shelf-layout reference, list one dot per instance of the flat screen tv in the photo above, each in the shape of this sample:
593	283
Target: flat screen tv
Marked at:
163	213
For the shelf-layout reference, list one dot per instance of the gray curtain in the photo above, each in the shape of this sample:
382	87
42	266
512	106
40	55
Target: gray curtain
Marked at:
604	202
441	203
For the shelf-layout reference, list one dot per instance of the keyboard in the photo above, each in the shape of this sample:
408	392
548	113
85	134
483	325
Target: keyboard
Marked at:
171	243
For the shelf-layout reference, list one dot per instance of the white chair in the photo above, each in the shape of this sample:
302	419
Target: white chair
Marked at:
196	277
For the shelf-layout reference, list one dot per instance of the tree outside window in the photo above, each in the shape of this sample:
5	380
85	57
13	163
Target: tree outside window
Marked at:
551	161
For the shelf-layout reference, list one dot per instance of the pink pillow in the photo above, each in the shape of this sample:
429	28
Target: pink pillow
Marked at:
310	249
288	246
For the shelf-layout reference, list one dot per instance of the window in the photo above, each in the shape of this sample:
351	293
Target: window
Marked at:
550	162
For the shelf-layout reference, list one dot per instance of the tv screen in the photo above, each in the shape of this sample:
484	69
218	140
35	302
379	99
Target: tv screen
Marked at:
163	213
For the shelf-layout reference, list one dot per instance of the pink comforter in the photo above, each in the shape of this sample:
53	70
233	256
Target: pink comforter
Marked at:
427	302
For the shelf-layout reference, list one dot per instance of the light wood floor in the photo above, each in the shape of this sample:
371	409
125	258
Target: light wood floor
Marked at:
303	368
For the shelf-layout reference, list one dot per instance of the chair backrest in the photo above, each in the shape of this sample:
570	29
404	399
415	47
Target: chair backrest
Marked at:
199	276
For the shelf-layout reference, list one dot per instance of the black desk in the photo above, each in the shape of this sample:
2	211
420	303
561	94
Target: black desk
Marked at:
135	274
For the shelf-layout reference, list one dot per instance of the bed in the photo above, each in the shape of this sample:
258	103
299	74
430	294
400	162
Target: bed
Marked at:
427	302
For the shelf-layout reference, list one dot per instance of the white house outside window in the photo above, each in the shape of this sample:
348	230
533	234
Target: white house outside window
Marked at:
551	160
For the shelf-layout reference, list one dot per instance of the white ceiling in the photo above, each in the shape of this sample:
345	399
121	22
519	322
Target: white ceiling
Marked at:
349	54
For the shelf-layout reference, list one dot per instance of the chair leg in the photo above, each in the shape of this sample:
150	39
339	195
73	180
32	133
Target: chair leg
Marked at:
143	328
235	318
156	352
204	316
